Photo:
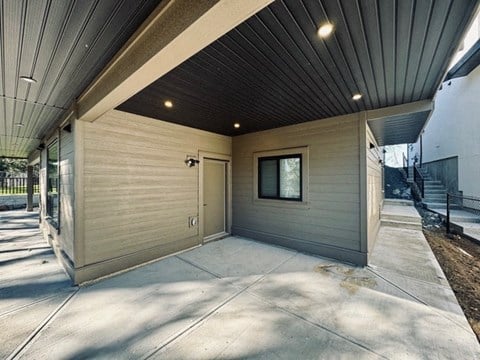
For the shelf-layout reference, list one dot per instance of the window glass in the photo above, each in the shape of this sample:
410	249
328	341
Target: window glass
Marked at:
52	182
290	178
279	177
268	179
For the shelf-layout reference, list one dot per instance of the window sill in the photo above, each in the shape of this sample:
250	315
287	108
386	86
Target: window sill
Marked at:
52	222
284	204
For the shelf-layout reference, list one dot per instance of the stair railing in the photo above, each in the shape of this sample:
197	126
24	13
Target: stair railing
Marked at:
418	179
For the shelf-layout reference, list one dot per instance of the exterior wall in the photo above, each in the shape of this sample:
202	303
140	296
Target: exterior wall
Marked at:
445	170
329	223
454	130
138	194
374	189
62	239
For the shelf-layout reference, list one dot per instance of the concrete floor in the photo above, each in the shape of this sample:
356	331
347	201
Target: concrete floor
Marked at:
232	299
469	221
470	229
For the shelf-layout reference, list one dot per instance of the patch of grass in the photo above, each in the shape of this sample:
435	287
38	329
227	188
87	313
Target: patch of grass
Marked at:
20	190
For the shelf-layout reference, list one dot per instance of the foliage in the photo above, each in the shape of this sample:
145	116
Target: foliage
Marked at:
13	167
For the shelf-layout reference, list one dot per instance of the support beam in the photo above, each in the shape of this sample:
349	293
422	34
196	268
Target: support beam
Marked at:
29	188
400	110
177	30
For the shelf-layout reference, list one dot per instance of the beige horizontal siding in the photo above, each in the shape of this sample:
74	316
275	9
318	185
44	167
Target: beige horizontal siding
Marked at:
138	192
331	217
63	238
67	197
374	189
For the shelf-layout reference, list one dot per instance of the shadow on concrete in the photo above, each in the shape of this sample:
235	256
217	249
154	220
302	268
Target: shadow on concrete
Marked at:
34	254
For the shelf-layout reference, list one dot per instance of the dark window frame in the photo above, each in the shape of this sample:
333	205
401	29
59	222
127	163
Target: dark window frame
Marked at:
278	158
55	222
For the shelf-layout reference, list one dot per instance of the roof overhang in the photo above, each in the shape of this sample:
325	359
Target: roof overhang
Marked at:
257	62
274	70
466	64
401	124
171	35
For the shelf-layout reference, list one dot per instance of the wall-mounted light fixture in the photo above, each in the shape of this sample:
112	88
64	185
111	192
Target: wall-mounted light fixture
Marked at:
191	162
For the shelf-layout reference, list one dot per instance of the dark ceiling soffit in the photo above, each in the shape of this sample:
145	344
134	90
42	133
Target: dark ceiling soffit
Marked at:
399	129
466	64
272	71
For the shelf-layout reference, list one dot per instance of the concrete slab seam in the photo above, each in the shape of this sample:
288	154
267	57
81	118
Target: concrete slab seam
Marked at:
25	249
319	326
20	228
120	272
20	350
374	268
433	308
198	266
200	320
26	306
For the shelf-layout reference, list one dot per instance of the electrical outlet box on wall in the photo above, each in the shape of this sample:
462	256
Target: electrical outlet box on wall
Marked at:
192	221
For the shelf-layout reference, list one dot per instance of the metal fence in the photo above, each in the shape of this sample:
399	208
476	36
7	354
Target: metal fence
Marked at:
418	179
16	185
469	205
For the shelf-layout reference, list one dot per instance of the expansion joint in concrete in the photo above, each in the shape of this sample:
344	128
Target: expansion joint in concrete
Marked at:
17	353
204	317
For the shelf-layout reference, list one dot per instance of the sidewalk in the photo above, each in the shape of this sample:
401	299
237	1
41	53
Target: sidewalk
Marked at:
238	298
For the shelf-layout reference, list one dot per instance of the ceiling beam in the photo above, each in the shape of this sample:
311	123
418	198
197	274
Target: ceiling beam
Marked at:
404	109
174	32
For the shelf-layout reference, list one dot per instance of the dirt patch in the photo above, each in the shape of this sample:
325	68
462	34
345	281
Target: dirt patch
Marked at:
333	269
352	284
460	261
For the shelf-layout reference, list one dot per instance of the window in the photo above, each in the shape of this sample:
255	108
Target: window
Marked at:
280	177
52	183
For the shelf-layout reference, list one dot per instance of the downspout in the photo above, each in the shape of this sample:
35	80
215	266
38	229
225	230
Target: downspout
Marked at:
421	149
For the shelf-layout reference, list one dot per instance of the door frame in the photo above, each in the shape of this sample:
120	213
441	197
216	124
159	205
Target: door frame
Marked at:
202	155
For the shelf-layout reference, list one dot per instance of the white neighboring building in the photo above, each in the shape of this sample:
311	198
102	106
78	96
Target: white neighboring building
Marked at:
451	139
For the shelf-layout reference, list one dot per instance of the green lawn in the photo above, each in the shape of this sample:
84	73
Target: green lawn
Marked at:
19	190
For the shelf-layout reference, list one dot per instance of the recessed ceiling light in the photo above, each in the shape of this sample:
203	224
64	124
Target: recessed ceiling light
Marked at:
19	124
236	125
28	79
325	30
356	97
168	104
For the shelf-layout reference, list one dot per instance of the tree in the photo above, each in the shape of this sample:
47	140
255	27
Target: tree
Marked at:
12	167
